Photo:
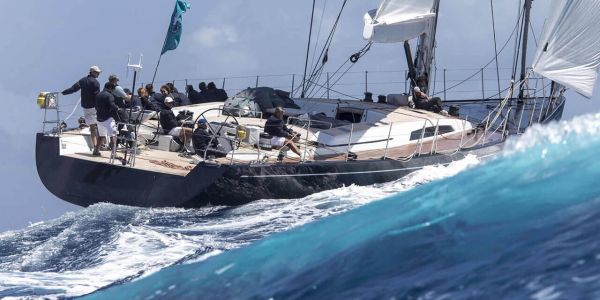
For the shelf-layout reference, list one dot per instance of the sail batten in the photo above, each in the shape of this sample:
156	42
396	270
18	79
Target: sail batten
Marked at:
569	51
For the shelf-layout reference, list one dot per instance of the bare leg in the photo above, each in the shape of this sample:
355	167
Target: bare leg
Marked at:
94	135
186	135
293	147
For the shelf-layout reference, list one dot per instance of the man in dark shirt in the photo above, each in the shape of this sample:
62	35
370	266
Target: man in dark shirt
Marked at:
422	101
281	135
204	141
213	94
169	123
197	97
135	102
146	101
90	87
180	98
157	99
108	112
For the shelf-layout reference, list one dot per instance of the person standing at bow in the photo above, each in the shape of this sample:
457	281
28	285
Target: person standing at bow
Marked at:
90	87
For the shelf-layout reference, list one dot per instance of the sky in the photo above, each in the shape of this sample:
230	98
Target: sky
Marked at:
49	45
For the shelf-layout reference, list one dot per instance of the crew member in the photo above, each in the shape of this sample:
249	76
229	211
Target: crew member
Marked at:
422	101
168	121
108	113
121	97
215	94
90	87
281	135
204	141
147	103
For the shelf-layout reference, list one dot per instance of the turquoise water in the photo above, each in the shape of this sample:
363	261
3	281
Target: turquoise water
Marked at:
523	226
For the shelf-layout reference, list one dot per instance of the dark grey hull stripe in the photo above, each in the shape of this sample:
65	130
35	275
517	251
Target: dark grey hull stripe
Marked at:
353	173
329	174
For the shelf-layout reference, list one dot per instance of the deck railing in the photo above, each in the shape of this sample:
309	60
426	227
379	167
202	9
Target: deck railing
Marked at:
477	86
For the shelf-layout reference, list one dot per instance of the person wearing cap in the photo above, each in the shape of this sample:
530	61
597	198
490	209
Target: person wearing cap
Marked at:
121	98
280	134
168	121
204	141
108	112
422	101
90	87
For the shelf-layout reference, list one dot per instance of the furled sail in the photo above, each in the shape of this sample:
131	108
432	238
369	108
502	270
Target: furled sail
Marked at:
569	52
398	20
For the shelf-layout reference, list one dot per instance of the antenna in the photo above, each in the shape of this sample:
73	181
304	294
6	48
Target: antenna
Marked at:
137	67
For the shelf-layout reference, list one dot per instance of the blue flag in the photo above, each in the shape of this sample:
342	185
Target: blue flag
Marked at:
174	33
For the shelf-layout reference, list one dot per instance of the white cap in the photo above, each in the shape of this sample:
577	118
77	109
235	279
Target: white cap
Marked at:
169	100
95	69
417	89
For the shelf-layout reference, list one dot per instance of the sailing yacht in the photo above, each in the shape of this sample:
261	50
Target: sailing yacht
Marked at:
342	141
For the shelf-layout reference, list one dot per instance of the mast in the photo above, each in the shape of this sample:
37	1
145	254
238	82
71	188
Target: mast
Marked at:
425	50
312	18
527	11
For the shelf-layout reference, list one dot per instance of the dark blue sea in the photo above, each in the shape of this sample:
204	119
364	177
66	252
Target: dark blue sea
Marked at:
525	225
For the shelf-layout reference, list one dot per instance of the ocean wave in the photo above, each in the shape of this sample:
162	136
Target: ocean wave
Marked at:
524	226
107	244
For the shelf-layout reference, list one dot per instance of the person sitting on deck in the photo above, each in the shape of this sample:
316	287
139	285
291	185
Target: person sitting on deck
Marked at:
204	142
180	98
197	97
168	121
422	101
147	103
281	135
157	99
135	102
214	94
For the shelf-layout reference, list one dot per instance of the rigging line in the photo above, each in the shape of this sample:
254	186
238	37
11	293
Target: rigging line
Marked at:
74	109
353	59
323	56
518	41
312	18
332	33
339	78
533	33
312	63
495	44
313	79
338	92
486	65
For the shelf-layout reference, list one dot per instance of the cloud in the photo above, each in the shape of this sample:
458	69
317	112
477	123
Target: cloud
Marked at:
212	36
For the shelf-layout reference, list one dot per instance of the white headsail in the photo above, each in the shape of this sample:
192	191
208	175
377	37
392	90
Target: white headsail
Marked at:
569	52
397	21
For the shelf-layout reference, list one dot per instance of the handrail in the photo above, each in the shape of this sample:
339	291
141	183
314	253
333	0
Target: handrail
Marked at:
310	121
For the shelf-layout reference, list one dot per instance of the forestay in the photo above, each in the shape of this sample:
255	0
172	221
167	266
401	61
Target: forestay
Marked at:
569	52
398	20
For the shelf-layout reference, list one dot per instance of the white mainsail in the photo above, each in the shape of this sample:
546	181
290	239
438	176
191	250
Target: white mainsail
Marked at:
397	21
569	51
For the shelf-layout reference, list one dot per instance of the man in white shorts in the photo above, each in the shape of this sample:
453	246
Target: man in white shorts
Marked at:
108	112
169	122
281	135
90	87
